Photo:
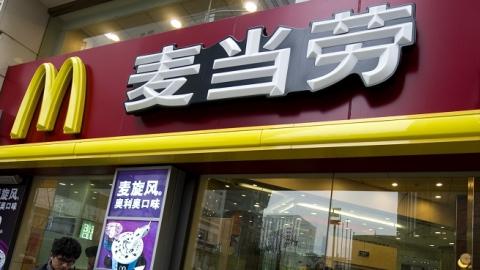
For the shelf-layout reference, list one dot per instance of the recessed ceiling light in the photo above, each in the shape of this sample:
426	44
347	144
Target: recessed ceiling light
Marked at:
416	235
439	184
175	23
437	232
227	186
431	245
394	184
112	37
62	184
451	244
250	6
438	196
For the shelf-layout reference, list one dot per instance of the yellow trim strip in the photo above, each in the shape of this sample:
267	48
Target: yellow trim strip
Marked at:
440	133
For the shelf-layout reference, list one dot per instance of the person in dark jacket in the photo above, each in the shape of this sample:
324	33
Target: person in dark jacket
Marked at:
91	253
65	251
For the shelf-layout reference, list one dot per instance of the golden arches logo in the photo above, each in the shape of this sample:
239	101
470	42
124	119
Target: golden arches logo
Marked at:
54	89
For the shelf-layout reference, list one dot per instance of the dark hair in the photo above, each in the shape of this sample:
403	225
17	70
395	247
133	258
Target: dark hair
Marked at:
66	247
91	251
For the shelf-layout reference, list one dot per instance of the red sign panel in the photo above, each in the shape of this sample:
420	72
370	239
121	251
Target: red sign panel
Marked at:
438	73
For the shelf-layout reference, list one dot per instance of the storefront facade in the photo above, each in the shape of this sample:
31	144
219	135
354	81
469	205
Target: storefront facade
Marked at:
346	141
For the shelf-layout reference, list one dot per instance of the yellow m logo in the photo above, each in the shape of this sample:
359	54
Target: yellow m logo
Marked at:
54	88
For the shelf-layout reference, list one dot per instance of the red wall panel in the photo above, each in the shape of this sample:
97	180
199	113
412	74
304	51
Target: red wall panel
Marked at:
439	73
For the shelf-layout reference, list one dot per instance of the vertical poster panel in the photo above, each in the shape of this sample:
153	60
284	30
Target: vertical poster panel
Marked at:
133	220
11	199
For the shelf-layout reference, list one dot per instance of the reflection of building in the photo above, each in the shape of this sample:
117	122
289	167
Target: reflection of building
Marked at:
214	241
230	226
214	202
286	240
291	233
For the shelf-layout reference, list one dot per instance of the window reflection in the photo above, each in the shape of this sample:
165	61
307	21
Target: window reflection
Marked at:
358	221
262	224
384	222
72	206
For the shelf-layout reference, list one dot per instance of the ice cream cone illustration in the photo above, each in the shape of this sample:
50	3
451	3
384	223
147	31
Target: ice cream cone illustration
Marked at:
127	249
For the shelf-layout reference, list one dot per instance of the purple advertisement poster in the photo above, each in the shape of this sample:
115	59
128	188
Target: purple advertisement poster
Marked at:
132	223
138	193
3	253
11	199
127	244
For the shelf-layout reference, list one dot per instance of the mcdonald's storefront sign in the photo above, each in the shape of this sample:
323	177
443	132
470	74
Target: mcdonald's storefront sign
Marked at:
421	84
53	85
340	110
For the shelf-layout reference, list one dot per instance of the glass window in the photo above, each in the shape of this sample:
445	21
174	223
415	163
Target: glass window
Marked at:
71	206
121	20
260	223
349	221
388	221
